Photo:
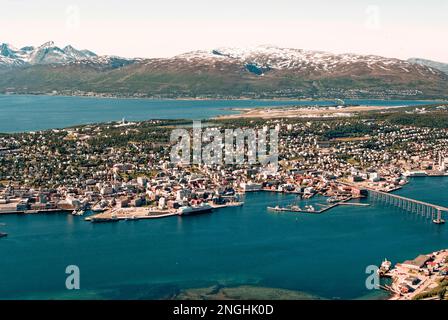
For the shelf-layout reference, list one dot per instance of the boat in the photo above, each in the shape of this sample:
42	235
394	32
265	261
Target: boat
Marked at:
98	209
190	210
78	212
2	235
438	221
333	200
415	174
385	267
289	209
309	208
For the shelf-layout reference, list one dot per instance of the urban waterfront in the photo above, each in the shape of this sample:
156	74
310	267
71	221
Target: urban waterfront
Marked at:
28	113
322	255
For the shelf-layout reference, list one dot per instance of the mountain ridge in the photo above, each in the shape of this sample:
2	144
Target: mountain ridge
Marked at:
50	54
260	72
431	63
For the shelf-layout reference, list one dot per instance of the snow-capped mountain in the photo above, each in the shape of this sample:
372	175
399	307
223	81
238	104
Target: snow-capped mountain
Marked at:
264	71
263	59
48	53
258	60
430	63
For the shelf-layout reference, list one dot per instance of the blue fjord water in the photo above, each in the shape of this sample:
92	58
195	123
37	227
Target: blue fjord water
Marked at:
325	255
29	113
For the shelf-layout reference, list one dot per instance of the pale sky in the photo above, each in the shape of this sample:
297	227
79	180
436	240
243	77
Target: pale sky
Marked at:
138	28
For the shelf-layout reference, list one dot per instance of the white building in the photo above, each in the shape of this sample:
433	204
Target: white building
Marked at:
250	186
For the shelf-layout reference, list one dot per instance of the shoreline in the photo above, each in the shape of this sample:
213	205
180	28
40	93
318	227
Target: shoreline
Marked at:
99	96
303	112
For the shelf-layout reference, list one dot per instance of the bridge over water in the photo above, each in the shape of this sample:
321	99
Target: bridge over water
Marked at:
425	209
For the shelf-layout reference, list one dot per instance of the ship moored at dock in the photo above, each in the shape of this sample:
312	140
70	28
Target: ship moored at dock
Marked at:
197	209
103	220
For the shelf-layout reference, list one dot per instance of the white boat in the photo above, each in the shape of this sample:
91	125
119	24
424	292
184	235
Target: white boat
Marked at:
333	200
190	210
98	209
415	174
309	208
78	212
385	267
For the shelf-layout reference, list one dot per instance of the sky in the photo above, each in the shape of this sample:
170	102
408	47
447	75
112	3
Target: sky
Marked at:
147	28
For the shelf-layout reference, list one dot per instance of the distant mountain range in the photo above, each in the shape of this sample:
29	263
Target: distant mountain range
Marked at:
433	64
49	54
260	72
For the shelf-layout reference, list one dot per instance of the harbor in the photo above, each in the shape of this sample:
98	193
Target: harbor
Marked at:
221	241
277	250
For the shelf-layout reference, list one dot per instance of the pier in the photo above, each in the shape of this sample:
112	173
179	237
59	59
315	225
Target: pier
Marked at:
425	209
324	209
297	209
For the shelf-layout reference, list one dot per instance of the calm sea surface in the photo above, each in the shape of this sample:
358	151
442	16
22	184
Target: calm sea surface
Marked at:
29	113
324	255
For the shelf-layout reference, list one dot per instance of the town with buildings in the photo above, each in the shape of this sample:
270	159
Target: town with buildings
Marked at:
122	171
118	167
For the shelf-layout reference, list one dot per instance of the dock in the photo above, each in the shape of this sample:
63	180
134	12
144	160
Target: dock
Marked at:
44	211
227	205
292	209
355	204
118	214
299	210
